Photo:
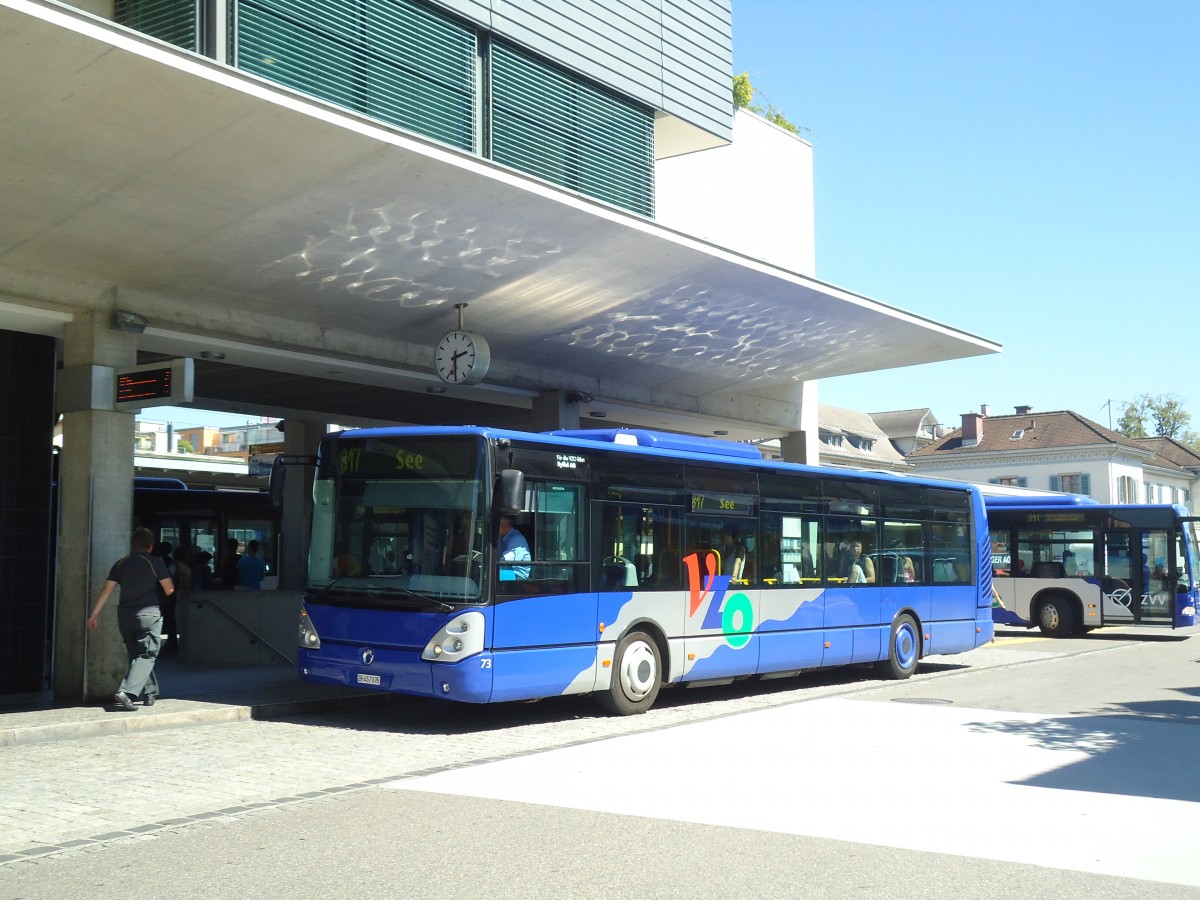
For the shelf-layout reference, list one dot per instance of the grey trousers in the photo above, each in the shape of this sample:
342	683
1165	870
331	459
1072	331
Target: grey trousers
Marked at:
143	639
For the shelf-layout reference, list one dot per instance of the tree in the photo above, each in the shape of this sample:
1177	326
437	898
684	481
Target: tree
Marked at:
1165	411
1133	420
184	446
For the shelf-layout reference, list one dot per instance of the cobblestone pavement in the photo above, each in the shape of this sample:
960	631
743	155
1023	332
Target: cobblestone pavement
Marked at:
74	795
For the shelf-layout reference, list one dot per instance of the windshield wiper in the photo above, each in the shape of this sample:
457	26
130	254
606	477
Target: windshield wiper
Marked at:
380	590
440	604
329	587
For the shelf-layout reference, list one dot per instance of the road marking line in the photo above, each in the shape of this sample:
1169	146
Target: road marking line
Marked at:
1020	640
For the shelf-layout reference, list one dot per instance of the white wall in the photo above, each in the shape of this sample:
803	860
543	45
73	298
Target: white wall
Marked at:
1036	471
754	196
1103	469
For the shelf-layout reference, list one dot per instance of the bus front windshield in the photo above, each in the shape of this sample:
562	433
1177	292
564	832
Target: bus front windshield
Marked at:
399	518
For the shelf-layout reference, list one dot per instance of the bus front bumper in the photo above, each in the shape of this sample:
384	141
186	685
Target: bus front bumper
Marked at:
398	671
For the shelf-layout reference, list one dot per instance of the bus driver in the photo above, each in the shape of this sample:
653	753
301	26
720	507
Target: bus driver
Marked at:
513	548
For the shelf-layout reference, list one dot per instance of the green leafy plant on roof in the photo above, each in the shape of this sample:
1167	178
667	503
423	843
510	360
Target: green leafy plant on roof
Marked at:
743	98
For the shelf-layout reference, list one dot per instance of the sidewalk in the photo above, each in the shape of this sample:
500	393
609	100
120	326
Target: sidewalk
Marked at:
192	694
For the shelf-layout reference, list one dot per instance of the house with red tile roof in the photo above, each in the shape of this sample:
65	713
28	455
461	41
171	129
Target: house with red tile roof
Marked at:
1062	451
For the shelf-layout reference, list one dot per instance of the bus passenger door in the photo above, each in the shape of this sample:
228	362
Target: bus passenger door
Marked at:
1120	590
1159	571
722	604
1140	577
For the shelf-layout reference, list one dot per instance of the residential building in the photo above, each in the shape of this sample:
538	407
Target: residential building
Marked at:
909	429
1061	451
849	438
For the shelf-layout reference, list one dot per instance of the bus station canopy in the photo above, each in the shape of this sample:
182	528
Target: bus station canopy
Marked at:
310	258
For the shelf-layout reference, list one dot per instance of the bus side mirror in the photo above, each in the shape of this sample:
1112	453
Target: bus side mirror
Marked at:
279	466
275	482
510	492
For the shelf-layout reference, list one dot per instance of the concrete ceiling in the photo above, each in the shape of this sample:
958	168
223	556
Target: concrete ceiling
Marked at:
319	255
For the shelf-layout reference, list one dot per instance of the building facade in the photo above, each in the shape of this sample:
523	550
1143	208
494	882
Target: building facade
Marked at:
299	196
1062	451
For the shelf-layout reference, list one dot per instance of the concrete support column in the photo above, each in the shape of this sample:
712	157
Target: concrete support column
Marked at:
96	486
553	411
300	438
804	445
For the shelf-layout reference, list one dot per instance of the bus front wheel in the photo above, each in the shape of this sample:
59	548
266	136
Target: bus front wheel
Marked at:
1056	618
904	649
636	675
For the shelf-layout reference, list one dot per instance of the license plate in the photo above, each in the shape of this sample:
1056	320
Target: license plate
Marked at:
367	679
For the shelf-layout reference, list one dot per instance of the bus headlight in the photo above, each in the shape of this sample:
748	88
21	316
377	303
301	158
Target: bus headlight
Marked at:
309	639
459	638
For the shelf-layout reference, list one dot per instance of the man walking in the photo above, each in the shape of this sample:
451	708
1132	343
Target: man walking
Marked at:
141	576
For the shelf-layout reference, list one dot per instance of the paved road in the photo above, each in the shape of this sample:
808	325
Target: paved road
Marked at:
1075	736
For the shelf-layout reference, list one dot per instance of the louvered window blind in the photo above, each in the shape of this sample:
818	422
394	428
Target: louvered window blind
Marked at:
396	60
173	21
406	63
558	126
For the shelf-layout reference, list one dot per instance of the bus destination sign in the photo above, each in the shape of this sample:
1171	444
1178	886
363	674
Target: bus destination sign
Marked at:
725	504
158	384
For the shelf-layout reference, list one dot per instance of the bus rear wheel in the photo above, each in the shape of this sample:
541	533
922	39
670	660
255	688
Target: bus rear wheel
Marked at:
904	649
636	676
1056	618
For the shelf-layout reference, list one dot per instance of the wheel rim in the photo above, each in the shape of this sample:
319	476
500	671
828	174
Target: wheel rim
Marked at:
639	670
904	644
1050	616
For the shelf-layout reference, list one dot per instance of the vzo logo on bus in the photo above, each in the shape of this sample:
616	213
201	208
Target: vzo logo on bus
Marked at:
735	618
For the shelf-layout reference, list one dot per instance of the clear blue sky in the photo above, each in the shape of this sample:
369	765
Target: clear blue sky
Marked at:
1024	170
187	417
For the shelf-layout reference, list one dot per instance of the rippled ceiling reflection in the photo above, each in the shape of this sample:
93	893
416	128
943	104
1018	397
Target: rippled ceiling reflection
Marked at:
614	299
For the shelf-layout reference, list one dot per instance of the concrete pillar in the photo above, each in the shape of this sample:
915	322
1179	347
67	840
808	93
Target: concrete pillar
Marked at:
300	438
27	364
553	411
96	487
804	445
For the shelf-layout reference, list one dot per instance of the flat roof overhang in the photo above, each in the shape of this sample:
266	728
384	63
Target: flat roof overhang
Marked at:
296	238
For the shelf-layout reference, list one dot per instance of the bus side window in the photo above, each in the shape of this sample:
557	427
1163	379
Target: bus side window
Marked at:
639	547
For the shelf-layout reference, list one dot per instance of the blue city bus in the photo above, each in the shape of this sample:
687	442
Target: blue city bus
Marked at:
482	565
1066	564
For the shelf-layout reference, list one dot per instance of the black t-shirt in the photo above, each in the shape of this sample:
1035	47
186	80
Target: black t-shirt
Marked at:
139	575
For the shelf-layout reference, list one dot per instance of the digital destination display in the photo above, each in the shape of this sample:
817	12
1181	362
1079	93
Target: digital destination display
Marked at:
395	457
156	385
723	504
150	384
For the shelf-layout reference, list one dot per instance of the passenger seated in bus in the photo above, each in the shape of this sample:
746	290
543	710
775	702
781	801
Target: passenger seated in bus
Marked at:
1048	569
896	568
808	566
858	568
345	564
1069	567
733	553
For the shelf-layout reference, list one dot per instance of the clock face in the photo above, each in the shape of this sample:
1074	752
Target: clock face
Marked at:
462	358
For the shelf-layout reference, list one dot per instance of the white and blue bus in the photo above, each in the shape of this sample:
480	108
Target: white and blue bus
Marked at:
1067	564
481	565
